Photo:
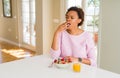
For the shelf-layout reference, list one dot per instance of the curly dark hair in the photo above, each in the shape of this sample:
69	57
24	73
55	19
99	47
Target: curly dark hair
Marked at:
80	13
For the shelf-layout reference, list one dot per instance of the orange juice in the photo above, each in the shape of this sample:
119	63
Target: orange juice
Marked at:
76	67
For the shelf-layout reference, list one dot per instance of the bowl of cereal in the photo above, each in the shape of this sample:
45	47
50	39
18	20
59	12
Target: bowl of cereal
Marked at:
62	62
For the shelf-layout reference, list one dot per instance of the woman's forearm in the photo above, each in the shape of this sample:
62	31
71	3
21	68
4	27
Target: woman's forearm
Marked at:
83	60
86	61
55	41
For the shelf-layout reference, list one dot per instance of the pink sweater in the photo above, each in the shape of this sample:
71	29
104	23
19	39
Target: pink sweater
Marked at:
75	45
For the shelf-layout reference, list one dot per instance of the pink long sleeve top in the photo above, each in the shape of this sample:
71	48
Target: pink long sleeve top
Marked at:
75	45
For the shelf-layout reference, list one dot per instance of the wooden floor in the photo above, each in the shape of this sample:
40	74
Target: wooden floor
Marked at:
9	52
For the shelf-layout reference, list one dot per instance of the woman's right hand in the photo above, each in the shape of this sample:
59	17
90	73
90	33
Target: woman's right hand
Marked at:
62	27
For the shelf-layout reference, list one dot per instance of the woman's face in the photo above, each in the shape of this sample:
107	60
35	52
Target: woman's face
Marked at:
73	19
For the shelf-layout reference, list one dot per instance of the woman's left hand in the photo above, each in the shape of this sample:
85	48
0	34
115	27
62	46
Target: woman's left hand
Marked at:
73	59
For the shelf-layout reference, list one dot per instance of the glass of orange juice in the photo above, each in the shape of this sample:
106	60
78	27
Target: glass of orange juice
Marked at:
76	67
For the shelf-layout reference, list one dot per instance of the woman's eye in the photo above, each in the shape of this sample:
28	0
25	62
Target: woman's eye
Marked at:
66	17
72	17
69	17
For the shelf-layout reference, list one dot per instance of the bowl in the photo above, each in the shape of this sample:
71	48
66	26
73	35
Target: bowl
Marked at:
62	62
62	65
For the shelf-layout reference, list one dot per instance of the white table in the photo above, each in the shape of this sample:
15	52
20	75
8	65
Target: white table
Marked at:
37	67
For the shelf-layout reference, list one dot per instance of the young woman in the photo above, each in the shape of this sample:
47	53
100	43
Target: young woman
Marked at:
70	41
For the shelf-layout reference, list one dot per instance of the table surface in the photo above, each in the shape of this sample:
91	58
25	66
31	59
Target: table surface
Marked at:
37	67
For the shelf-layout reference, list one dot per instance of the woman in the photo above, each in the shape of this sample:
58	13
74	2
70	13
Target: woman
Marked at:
70	41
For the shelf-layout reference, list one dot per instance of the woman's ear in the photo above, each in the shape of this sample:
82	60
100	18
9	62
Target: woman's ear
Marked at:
79	20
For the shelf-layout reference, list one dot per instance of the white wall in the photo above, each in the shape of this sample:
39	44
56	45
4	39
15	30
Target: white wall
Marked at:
110	35
44	25
39	27
8	26
47	25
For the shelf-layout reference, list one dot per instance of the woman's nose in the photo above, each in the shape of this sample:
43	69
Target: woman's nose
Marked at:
68	19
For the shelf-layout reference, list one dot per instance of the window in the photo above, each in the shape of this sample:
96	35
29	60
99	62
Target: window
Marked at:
28	22
92	15
74	3
7	9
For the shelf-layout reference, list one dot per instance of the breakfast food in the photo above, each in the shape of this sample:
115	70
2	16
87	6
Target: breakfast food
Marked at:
68	24
62	61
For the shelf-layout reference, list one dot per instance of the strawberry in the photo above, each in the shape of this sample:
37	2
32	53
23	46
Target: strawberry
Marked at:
62	59
69	60
63	62
55	61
